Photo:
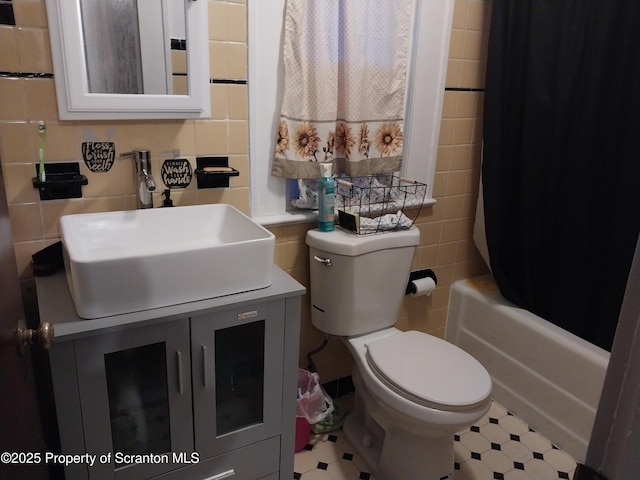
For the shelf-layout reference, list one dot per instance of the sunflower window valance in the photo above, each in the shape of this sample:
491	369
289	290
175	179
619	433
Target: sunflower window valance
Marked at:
344	85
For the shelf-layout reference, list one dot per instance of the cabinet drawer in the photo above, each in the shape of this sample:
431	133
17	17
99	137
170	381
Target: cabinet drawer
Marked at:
247	463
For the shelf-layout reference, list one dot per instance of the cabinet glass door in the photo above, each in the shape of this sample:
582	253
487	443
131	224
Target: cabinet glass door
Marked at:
239	373
135	399
237	370
138	399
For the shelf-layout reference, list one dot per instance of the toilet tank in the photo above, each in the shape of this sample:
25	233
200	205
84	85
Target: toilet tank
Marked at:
358	282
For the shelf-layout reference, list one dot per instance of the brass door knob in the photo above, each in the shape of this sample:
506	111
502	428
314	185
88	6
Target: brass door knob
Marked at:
41	336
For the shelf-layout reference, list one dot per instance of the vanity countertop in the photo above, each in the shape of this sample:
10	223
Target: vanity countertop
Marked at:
56	306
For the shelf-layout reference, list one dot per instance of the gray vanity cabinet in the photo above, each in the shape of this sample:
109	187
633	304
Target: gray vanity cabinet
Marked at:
205	390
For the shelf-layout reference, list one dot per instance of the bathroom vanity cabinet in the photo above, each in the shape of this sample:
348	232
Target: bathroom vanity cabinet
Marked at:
203	390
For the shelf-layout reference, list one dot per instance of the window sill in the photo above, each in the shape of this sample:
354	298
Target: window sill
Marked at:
287	218
303	216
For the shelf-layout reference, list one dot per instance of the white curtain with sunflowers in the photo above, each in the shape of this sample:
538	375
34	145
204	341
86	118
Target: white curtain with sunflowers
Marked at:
344	85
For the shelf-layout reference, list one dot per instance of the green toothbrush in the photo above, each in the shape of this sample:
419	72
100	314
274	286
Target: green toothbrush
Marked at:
42	129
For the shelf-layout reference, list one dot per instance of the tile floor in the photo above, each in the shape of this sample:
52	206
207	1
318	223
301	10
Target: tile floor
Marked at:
500	446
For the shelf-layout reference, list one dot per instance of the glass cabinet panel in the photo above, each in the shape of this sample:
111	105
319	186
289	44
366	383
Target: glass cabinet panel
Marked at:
239	365
138	399
135	398
237	357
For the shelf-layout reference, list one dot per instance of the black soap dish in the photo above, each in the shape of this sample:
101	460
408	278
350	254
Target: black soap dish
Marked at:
62	180
214	172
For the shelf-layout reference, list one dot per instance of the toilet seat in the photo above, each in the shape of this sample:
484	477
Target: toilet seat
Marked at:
429	371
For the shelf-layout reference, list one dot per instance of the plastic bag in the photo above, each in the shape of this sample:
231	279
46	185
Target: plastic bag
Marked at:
313	403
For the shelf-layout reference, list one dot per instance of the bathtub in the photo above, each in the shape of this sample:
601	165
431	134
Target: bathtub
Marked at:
545	375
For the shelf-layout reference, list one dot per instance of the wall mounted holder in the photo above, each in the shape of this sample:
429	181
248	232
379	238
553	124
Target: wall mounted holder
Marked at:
417	275
63	180
214	172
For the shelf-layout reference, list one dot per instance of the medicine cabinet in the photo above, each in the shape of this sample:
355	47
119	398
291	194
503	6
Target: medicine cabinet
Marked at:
126	59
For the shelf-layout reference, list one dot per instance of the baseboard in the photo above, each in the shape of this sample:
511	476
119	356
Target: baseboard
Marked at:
340	387
585	473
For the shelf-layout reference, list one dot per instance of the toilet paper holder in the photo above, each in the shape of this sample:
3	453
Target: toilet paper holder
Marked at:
416	275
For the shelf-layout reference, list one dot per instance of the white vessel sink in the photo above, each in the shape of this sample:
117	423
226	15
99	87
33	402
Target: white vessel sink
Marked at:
121	262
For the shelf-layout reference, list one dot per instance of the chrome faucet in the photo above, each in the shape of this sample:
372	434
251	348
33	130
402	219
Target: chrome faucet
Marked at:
145	183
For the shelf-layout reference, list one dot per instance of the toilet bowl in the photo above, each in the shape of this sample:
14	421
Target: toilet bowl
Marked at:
419	405
413	391
423	379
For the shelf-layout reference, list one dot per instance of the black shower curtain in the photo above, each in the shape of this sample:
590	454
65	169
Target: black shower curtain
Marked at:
561	159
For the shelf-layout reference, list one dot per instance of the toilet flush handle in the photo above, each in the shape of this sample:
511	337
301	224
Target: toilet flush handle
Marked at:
325	261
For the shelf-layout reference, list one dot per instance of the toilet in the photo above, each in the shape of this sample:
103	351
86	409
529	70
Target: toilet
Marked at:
413	391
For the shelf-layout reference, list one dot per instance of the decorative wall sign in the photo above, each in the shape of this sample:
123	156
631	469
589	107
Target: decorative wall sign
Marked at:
176	173
99	156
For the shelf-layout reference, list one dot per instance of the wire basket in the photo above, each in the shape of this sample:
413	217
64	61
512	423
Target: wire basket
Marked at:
378	203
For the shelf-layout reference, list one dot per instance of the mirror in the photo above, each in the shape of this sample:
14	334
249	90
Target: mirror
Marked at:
130	59
129	45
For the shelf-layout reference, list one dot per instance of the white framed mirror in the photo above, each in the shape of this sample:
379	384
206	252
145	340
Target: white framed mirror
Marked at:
113	59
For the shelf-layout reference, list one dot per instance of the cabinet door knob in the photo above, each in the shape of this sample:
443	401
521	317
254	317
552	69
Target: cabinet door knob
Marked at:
205	374
179	362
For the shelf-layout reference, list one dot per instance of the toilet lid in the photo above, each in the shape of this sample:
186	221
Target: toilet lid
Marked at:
429	371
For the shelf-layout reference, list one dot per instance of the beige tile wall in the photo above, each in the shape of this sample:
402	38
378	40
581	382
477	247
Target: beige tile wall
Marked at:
446	227
25	101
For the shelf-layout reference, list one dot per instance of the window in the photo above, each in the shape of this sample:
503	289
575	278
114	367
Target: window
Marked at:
423	106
